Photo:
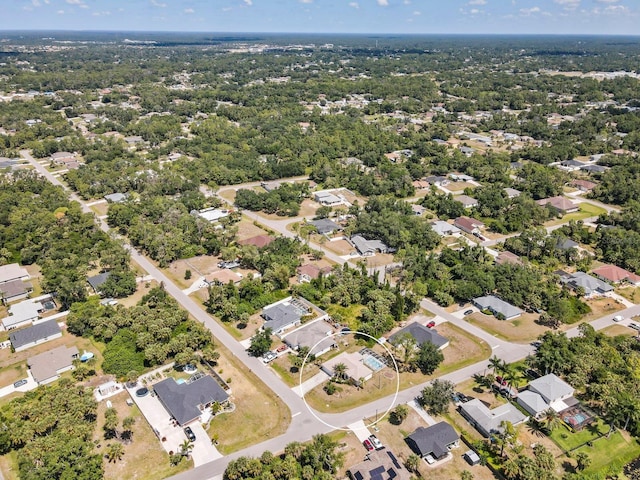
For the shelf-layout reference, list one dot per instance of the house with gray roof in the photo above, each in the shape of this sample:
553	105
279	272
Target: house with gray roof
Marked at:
15	290
421	334
186	401
115	197
327	198
48	366
436	440
444	229
488	421
533	403
497	306
280	317
23	313
32	336
324	226
11	272
314	335
512	192
379	465
551	388
368	247
466	201
594	168
590	284
98	280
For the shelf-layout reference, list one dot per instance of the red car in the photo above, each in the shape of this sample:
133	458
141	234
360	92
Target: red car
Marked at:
368	445
431	324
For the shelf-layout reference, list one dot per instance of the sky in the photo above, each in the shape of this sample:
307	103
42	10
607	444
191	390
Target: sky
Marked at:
608	17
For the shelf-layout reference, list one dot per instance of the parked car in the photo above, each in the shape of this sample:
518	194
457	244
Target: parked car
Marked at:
536	344
19	383
431	324
368	445
532	373
618	318
232	264
268	357
468	312
635	326
282	348
189	433
377	444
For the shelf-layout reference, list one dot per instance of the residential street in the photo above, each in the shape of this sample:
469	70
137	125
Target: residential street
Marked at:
303	423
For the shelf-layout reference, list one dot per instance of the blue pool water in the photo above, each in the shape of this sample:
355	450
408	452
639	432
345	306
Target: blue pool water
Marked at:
180	381
373	363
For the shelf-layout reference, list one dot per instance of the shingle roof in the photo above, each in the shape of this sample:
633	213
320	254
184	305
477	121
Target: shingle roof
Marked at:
259	241
532	402
443	228
421	334
46	365
182	401
98	280
313	335
14	288
363	245
489	420
12	271
551	387
433	440
588	283
497	305
32	334
280	316
324	225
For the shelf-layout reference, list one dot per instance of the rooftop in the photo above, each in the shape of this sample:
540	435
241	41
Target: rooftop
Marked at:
433	440
40	331
98	280
379	465
612	273
489	420
315	335
259	241
551	387
46	364
421	334
12	271
496	305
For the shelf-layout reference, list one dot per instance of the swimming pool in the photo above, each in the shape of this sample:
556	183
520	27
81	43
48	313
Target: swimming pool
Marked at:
180	381
373	363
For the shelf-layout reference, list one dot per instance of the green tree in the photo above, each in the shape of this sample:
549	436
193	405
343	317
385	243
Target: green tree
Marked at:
115	452
583	461
261	343
428	358
437	396
399	414
412	463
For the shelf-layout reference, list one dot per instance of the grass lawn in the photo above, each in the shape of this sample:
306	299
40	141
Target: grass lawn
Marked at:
568	440
629	292
619	447
615	330
346	315
586	210
259	413
521	329
600	306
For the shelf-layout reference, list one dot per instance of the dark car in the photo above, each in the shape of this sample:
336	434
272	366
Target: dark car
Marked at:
189	433
431	324
532	373
19	383
468	312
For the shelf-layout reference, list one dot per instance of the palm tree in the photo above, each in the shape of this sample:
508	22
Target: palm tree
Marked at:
583	460
495	364
340	371
115	451
185	447
511	468
551	419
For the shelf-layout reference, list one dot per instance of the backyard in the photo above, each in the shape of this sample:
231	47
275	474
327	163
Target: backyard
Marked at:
521	329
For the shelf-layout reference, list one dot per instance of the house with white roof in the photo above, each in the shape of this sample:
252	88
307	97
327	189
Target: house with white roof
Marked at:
546	392
13	271
22	313
444	229
488	421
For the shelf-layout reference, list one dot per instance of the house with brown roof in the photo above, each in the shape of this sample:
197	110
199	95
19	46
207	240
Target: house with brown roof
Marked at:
583	185
559	203
48	366
259	241
469	225
420	184
615	274
508	257
223	276
309	272
466	201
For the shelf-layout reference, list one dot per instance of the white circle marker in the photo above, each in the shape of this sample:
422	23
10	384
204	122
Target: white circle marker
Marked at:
395	396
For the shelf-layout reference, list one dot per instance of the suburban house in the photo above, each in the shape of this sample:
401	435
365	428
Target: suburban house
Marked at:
48	366
612	274
421	334
356	369
259	241
32	336
288	313
444	229
460	177
187	402
324	226
420	184
327	198
379	465
435	441
437	180
15	290
566	244
546	392
508	257
488	421
23	313
223	277
13	272
211	214
417	209
366	247
97	281
466	201
559	203
467	151
315	335
62	158
583	185
497	306
512	192
115	197
590	285
309	272
571	165
594	169
469	225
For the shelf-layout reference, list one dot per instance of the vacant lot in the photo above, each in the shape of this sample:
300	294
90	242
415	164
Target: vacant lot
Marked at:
458	186
521	329
601	306
586	210
341	247
629	292
199	266
142	289
101	209
615	330
247	229
259	413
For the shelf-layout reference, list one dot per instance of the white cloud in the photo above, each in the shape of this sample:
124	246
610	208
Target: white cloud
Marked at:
248	3
607	1
474	11
383	3
158	4
105	13
75	2
354	5
227	9
529	11
568	4
189	10
416	13
306	1
35	3
477	2
60	12
407	2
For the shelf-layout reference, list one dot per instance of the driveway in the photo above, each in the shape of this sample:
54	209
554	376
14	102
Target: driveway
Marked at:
203	450
30	385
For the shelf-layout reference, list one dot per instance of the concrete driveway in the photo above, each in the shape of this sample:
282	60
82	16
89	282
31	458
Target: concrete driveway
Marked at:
30	385
203	450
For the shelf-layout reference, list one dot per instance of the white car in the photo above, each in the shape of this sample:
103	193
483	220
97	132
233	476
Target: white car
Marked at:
268	357
618	318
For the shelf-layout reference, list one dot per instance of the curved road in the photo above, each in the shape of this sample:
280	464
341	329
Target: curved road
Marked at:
304	424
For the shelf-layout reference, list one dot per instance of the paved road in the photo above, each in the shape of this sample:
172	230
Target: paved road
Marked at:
304	424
